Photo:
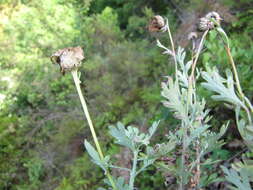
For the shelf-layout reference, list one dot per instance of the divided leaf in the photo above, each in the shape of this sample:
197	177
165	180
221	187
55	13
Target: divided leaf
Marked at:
120	134
174	99
214	82
153	128
239	179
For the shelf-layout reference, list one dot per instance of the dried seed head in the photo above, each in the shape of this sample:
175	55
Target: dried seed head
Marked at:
207	23
156	24
68	58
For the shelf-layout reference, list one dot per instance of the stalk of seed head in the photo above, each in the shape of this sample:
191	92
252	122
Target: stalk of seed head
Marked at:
69	59
173	49
158	24
207	23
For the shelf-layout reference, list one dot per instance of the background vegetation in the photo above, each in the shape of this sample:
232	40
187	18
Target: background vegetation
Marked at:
42	128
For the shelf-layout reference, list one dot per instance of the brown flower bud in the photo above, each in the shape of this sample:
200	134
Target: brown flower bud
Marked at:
156	24
68	58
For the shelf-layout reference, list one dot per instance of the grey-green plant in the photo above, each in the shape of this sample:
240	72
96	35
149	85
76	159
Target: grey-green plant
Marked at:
188	145
193	135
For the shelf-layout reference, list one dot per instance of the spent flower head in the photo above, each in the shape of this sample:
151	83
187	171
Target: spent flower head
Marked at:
209	21
156	24
68	58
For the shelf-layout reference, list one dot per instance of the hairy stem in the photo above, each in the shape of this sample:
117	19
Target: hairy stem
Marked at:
181	185
133	171
190	93
86	112
198	172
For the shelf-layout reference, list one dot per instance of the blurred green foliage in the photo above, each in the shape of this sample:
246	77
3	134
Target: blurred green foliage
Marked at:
41	124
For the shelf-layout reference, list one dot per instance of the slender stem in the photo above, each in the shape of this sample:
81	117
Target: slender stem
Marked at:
173	51
231	60
191	78
198	53
86	112
133	172
243	97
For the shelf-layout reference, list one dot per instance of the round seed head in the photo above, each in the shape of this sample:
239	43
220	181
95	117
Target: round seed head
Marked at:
156	24
210	21
68	58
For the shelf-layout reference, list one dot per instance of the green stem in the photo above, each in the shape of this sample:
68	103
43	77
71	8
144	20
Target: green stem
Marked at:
133	171
86	112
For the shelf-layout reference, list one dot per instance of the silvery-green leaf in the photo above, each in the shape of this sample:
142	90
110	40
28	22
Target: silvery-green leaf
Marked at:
196	133
167	50
174	100
94	155
214	82
153	128
120	183
187	66
239	180
122	136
